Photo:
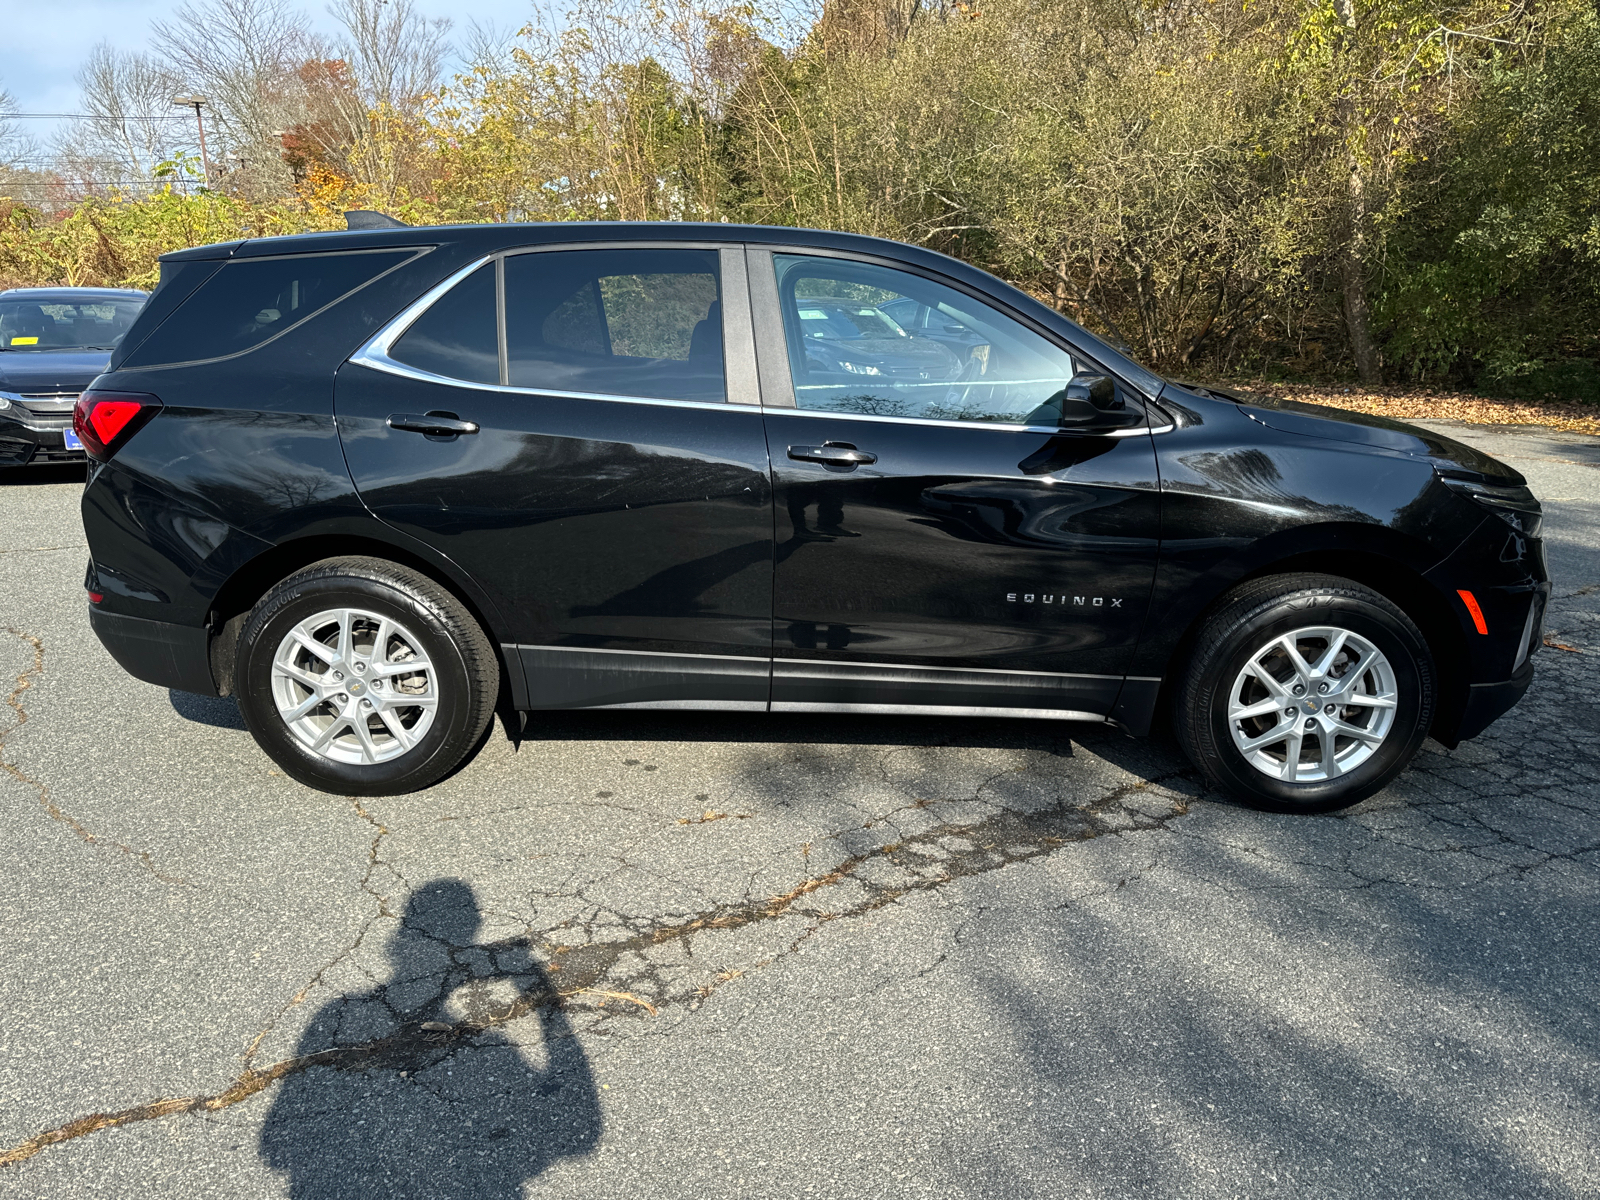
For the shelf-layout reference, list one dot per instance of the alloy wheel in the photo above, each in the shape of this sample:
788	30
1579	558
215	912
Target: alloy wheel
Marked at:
1312	705
354	686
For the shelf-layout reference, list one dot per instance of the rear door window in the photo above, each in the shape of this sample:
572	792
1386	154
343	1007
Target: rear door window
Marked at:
642	322
456	337
252	300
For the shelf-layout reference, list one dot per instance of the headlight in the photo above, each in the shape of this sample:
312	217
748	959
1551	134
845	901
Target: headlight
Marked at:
859	368
6	399
1516	506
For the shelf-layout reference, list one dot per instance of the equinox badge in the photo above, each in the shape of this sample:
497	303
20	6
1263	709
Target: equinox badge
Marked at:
1080	601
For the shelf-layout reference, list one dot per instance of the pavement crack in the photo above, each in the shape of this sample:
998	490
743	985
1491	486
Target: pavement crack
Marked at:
25	680
373	862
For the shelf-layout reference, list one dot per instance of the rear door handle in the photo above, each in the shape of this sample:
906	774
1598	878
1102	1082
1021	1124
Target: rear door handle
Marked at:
833	454
434	424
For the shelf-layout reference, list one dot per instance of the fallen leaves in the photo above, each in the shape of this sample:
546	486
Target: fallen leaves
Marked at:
1554	645
1422	403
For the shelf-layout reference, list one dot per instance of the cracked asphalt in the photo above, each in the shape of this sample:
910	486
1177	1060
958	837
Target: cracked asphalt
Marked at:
726	955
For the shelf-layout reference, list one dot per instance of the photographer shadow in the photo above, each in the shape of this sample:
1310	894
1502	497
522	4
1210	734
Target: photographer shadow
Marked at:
403	1108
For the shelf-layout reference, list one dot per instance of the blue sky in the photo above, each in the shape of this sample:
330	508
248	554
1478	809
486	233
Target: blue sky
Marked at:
45	42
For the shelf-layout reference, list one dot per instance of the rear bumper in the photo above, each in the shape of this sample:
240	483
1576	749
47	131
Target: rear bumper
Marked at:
158	652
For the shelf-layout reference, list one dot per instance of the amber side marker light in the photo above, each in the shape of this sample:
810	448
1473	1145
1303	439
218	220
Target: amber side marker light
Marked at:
103	421
1471	602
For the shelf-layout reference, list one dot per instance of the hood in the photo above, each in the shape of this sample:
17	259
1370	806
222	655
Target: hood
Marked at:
1364	429
50	370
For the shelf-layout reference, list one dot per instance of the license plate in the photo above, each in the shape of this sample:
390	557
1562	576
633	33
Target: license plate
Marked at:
74	442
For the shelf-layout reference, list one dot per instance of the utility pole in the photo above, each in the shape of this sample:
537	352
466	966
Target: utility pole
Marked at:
195	102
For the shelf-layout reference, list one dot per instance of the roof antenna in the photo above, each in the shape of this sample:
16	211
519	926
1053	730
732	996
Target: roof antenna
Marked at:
365	218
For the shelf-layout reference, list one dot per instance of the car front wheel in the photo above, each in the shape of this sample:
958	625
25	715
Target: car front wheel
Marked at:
363	677
1305	693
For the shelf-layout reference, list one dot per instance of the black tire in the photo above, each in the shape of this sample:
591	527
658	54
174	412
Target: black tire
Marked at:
464	673
1249	619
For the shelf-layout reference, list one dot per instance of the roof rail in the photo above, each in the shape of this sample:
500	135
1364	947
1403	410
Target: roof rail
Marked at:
365	218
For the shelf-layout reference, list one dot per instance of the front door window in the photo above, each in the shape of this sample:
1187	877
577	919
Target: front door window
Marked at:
879	342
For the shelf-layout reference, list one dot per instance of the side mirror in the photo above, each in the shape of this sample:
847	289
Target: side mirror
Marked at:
1089	401
1097	390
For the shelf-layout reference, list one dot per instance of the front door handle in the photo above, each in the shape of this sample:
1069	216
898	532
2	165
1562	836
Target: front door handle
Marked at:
833	454
434	424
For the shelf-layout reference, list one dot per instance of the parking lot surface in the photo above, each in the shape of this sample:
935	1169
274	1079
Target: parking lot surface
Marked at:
723	955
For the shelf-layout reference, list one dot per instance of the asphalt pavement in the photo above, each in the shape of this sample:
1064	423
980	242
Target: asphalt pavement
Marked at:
725	955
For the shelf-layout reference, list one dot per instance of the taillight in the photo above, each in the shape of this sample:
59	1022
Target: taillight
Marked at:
103	421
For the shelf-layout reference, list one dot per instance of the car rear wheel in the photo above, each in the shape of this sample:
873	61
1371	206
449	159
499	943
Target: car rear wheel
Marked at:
363	677
1306	693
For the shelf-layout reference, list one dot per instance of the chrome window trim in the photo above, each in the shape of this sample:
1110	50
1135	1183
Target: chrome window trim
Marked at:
375	352
938	710
998	426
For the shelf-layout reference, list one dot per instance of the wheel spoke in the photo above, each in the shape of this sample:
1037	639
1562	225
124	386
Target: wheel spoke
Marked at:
1260	708
1335	644
346	636
1276	734
1291	760
363	732
1267	681
300	675
389	669
1302	668
380	640
327	655
1355	731
391	722
1330	764
1363	700
291	715
335	727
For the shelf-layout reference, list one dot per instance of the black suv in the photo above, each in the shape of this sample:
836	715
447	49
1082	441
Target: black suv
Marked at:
374	483
53	342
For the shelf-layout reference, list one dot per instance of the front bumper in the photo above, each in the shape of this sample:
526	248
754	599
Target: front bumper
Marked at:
1488	702
35	438
158	652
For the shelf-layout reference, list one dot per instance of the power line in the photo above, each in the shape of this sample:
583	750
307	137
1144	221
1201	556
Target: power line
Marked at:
4	116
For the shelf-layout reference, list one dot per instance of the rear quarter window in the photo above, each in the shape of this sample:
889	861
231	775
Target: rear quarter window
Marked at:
250	301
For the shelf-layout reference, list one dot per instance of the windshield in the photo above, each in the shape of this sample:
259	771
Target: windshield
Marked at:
96	324
831	319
